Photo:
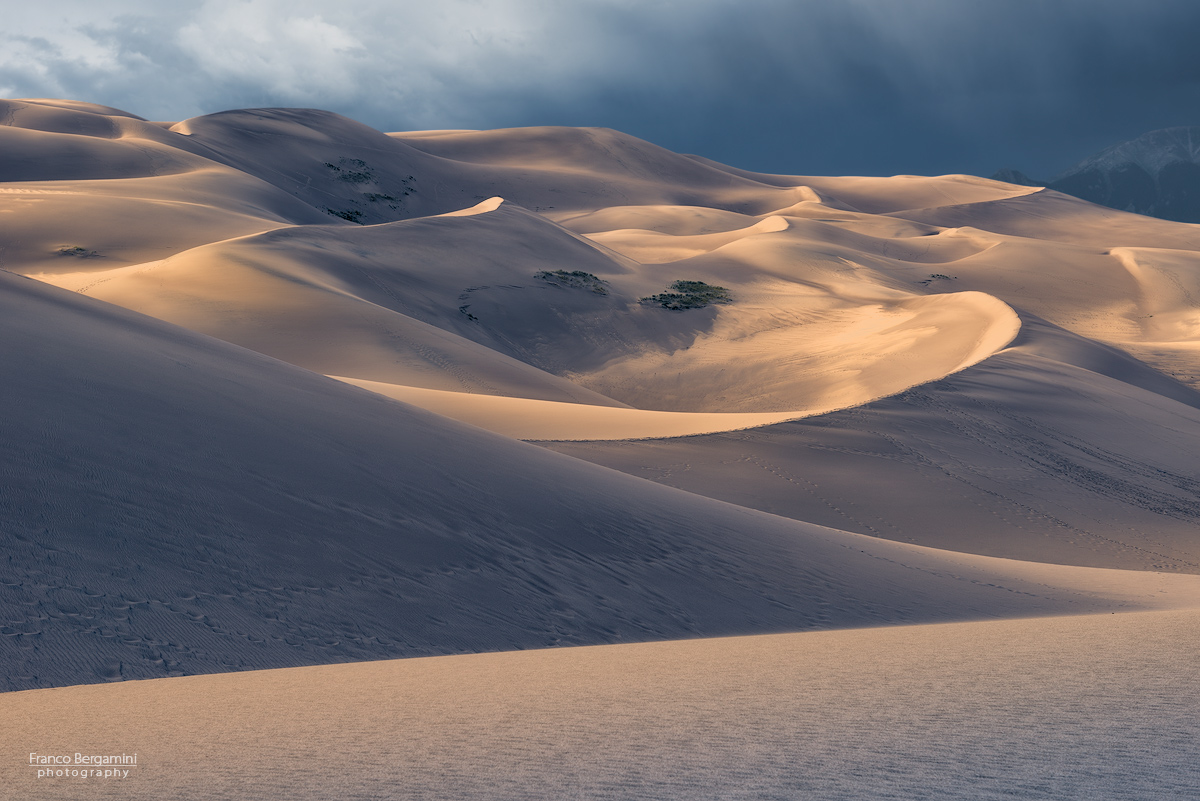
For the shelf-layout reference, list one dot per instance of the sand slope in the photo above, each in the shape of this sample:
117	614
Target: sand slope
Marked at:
1057	450
1019	457
1056	708
174	504
455	303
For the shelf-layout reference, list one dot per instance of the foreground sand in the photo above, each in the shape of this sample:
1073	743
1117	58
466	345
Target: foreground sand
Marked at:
1094	707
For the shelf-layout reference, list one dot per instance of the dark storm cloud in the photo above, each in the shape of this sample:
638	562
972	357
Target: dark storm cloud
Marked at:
856	86
883	87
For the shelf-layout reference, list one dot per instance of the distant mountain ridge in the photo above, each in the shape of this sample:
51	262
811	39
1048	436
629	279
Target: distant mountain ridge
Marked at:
1156	174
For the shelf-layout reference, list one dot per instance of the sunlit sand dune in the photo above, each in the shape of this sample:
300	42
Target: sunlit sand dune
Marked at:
653	247
1026	455
472	303
569	170
882	195
530	419
663	219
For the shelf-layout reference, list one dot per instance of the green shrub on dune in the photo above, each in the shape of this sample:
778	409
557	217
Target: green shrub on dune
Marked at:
688	295
575	279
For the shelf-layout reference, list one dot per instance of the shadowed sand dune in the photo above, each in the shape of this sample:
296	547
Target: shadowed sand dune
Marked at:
830	403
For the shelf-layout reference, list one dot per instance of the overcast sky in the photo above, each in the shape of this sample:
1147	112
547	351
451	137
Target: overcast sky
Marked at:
788	86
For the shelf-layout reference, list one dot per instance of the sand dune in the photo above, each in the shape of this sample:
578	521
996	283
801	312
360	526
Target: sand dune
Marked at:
1029	456
1040	252
396	303
242	172
830	402
84	191
652	247
882	195
1053	216
663	219
590	168
227	511
468	302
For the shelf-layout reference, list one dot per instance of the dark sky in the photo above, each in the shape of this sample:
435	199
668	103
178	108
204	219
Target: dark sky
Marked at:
874	87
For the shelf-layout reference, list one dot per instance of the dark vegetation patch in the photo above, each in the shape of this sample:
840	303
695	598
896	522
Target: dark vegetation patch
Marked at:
688	295
353	215
575	279
361	174
936	277
78	252
354	171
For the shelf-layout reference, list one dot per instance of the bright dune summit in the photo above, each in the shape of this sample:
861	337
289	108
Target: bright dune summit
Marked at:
284	393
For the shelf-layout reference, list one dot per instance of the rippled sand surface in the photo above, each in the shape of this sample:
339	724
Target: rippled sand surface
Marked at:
1090	707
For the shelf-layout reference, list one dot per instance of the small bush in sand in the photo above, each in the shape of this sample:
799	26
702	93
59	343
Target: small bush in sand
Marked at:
353	215
78	252
688	295
575	279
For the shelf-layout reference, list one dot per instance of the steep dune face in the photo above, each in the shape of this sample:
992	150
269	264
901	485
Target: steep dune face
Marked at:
350	170
332	163
1168	291
1164	318
1120	278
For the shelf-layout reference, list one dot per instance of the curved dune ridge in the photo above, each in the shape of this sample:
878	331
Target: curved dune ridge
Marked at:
392	303
530	419
778	402
833	380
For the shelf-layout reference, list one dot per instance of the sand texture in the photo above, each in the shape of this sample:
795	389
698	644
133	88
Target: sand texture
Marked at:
1053	709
